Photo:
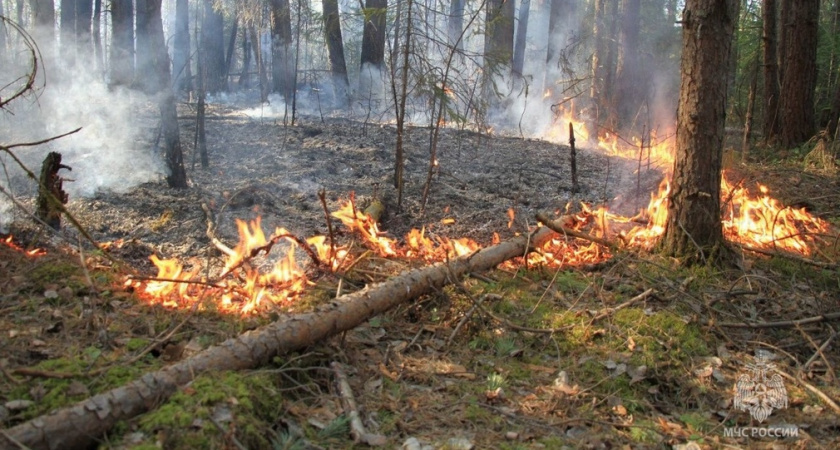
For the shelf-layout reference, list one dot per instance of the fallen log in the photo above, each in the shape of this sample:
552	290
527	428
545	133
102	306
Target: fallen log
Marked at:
80	425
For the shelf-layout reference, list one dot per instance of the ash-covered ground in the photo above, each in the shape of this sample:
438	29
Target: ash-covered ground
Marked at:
260	167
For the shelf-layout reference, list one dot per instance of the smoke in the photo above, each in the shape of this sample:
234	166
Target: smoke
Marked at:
113	151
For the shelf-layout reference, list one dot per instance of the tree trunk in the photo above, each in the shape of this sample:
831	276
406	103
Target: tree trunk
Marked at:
98	57
181	52
260	62
693	230
498	36
122	43
373	38
84	41
77	426
373	50
160	82
282	53
231	47
771	71
518	68
630	89
598	91
560	30
246	58
800	61
455	26
3	35
67	32
335	48
213	46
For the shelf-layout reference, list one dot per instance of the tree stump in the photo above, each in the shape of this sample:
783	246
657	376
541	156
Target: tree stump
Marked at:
51	192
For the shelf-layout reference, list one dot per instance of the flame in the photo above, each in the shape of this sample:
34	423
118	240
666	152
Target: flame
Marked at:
755	220
10	242
762	221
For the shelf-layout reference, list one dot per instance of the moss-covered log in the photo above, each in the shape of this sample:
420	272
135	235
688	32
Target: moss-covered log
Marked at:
51	190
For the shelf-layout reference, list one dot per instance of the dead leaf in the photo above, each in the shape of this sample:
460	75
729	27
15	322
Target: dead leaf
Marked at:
631	344
77	388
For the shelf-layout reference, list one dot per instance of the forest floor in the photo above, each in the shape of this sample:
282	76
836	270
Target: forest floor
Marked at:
546	361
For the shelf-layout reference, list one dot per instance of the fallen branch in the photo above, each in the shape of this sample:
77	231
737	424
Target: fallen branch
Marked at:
79	425
559	228
211	232
357	428
783	323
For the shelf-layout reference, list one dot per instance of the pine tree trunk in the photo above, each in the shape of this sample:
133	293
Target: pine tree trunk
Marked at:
455	26
335	48
98	57
213	46
77	426
181	52
122	43
630	84
560	17
771	71
282	53
694	231
798	122
373	35
521	39
67	31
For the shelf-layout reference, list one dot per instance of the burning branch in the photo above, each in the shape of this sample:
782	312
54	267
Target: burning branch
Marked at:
557	226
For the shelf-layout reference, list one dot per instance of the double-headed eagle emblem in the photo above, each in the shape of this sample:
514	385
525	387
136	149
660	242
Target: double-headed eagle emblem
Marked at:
759	393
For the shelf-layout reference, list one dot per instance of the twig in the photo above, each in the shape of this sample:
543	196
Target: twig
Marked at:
608	311
819	352
357	428
6	148
322	195
267	248
783	254
783	323
557	227
211	232
469	314
814	390
227	434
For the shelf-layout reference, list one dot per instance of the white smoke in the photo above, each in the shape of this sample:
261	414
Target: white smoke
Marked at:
111	152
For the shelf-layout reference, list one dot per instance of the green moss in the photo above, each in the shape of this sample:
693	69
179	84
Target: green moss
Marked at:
57	272
185	419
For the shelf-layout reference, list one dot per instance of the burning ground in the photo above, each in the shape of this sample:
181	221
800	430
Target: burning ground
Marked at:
515	358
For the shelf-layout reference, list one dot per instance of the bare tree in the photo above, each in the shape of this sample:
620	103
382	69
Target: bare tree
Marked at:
630	92
455	26
693	230
84	41
67	32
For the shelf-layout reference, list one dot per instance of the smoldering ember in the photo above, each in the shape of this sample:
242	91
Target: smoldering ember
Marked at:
418	225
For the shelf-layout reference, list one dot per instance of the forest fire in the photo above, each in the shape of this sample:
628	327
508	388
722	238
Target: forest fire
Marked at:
246	287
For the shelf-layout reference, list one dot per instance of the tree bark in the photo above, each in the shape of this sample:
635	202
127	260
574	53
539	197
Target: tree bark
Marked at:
798	122
599	90
521	39
693	230
630	89
373	37
498	36
77	426
769	39
50	190
455	26
122	43
98	58
213	46
335	48
181	53
282	53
